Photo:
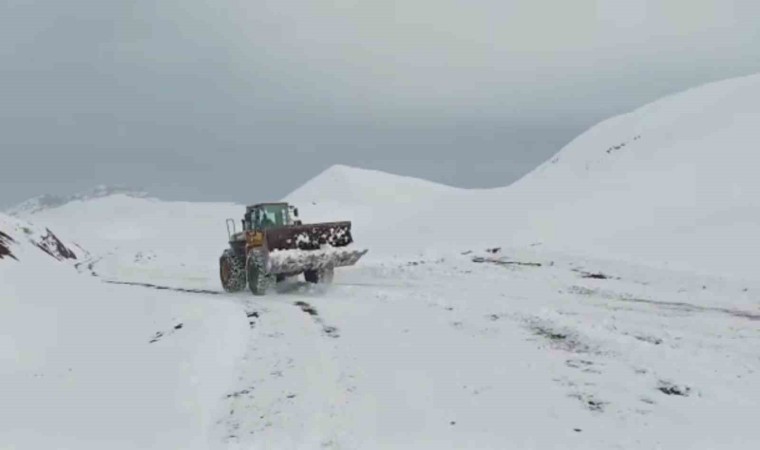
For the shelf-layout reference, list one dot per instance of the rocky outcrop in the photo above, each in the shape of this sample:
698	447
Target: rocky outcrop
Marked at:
5	242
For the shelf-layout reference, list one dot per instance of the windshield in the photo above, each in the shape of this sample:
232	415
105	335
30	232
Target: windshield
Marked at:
272	216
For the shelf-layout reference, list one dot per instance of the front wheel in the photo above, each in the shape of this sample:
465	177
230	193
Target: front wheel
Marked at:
258	278
232	271
322	276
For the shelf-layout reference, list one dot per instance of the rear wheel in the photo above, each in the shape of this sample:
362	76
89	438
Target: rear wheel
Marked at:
322	276
232	271
258	278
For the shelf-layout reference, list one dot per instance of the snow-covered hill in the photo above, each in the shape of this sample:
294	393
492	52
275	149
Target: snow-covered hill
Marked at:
390	213
23	237
49	201
672	182
138	238
364	188
84	364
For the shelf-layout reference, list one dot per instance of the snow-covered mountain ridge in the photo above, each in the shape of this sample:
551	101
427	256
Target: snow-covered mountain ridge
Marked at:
50	201
672	184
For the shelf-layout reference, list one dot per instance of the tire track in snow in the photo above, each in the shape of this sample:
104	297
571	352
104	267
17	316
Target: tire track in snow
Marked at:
164	288
288	384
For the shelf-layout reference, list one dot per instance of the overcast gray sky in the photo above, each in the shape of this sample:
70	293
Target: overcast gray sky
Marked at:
245	100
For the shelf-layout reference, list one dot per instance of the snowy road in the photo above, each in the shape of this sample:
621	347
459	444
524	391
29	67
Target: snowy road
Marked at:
484	349
447	352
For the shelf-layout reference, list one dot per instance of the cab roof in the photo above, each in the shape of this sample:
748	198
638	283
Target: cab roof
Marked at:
250	207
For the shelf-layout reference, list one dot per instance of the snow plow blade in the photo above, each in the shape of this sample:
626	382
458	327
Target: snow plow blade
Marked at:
295	260
310	237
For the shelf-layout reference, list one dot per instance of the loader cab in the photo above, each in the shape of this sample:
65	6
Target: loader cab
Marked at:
269	215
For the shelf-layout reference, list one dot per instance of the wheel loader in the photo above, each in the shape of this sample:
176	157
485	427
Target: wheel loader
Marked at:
274	244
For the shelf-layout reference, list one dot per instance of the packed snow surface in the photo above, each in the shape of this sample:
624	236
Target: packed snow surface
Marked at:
607	300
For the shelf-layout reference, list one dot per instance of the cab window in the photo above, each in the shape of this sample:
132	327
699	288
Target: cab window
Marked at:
271	216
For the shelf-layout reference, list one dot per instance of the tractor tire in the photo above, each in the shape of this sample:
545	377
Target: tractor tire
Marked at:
232	271
321	276
258	278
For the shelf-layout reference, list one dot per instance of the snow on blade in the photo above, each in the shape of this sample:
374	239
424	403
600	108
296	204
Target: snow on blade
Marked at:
294	260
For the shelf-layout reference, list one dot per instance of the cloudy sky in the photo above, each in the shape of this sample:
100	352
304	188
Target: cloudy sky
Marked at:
245	100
